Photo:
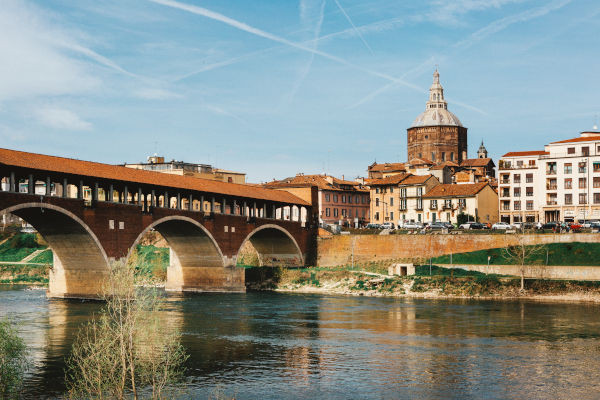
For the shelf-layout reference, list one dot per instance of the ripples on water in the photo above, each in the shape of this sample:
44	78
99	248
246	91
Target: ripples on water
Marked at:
284	346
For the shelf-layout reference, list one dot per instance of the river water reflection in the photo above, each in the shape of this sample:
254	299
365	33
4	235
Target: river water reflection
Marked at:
288	346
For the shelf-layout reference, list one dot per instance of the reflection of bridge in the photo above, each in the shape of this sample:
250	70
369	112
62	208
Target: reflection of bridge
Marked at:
91	213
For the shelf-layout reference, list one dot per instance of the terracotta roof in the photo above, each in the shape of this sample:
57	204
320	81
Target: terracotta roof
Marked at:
131	175
443	165
456	190
312	180
387	167
390	180
525	153
579	139
420	161
417	179
476	162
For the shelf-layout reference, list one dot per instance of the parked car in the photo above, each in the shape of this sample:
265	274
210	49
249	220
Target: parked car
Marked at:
387	225
471	225
501	226
551	225
373	226
412	225
438	226
586	223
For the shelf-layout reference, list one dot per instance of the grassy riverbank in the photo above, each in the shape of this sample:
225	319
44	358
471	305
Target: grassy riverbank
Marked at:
443	283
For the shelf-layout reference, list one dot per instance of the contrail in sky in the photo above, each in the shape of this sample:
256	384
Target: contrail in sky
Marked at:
258	32
353	26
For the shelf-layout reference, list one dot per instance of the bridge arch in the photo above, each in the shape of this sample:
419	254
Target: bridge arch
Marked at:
80	261
196	262
275	246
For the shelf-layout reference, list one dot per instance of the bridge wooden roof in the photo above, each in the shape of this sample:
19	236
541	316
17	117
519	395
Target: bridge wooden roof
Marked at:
96	170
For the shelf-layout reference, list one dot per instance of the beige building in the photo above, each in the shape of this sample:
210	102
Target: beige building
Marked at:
445	202
399	198
204	171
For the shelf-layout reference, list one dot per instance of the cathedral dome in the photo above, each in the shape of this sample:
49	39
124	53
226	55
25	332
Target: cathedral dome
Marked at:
436	111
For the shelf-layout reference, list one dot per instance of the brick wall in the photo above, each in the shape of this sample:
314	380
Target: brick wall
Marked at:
338	250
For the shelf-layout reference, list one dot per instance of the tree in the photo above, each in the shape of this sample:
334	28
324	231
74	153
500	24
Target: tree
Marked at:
521	253
127	348
463	218
13	360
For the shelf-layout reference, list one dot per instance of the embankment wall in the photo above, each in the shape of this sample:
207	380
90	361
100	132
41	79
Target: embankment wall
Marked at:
340	249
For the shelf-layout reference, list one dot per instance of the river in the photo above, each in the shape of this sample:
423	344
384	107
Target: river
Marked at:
291	346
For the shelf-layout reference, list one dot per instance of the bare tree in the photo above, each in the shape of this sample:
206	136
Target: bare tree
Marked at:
521	253
127	347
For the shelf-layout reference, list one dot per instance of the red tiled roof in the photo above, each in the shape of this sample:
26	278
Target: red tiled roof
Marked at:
390	180
417	179
312	180
420	161
387	167
525	153
579	139
119	173
456	190
476	162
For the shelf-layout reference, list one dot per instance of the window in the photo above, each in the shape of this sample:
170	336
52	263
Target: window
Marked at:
335	198
517	205
596	198
350	199
443	156
403	192
403	204
568	168
327	212
377	190
551	168
551	184
350	213
571	150
419	191
596	167
517	178
419	203
582	198
335	212
519	163
376	202
568	183
448	203
343	212
392	216
585	151
391	189
462	203
327	197
529	191
452	156
532	163
582	183
568	198
582	167
505	178
376	216
505	192
432	156
551	200
529	205
517	192
391	201
506	205
343	198
597	182
433	204
529	178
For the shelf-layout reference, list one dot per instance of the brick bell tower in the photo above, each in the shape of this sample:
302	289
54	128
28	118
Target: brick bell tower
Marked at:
437	134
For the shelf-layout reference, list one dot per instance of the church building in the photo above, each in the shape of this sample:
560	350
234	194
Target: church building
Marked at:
437	134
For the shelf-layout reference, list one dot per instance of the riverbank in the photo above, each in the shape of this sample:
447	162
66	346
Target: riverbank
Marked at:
442	284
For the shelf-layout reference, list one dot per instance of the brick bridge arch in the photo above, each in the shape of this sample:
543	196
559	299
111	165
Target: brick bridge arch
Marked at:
275	246
80	261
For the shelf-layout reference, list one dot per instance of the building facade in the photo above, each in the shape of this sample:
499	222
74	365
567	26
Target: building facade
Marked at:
399	198
437	134
520	186
340	202
204	171
560	183
446	202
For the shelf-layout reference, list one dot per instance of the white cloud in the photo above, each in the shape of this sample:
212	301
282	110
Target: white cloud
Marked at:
156	94
60	118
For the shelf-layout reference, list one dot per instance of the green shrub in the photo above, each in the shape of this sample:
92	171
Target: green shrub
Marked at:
13	360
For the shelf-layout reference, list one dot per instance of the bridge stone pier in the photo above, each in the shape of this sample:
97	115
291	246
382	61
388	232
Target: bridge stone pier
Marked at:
92	214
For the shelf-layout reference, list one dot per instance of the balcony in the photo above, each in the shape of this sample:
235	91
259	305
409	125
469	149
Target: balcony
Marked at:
505	181
551	187
551	202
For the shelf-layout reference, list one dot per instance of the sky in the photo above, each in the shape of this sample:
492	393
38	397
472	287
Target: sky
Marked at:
276	88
